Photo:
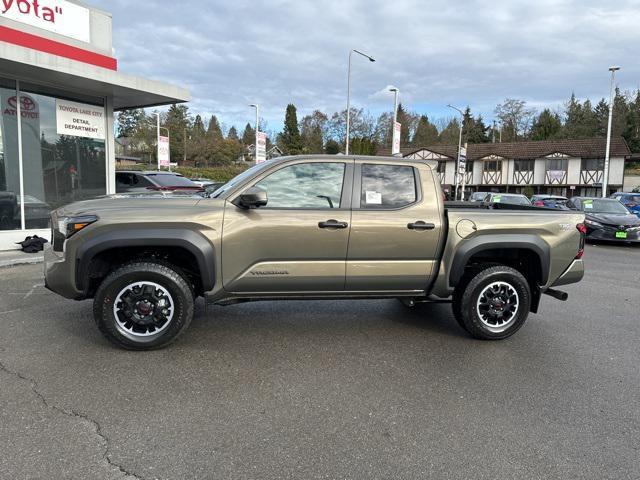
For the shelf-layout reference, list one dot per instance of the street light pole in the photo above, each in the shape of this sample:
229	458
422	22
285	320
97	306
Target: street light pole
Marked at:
396	92
255	151
371	59
605	180
459	150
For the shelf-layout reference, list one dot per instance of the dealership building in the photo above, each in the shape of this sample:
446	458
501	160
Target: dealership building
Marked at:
59	89
570	167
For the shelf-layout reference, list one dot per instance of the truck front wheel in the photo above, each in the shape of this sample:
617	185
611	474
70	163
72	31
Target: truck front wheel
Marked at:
143	305
494	303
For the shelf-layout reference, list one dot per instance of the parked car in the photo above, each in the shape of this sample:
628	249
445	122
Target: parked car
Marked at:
550	201
143	181
478	196
607	219
508	198
629	200
281	230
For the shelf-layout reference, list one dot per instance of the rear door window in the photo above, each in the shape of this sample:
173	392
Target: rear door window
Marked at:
387	186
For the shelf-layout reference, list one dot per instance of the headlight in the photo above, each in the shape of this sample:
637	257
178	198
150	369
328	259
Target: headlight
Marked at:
69	226
593	223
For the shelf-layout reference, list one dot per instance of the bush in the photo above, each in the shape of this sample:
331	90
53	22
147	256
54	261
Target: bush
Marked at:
218	174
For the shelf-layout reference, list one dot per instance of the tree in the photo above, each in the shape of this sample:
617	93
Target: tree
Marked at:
426	133
451	133
249	135
362	125
474	131
405	119
515	118
198	130
632	133
313	131
546	126
215	131
129	122
601	115
363	146
233	134
178	122
290	141
332	147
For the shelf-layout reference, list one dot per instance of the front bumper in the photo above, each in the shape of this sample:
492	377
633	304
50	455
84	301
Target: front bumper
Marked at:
59	274
609	235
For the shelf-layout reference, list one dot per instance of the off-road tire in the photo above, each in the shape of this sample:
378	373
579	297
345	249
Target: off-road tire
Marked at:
165	275
465	300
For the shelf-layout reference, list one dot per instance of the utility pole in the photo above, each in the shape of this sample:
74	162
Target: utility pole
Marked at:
605	181
457	169
493	133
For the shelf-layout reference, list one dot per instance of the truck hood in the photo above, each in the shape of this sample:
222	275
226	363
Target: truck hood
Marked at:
123	203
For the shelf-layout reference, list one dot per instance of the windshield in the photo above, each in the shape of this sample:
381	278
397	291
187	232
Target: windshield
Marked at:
511	199
240	178
165	180
603	205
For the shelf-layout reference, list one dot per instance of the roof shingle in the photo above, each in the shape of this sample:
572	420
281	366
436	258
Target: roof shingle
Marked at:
582	148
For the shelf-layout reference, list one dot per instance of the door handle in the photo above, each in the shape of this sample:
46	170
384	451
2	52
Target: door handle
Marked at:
333	224
420	225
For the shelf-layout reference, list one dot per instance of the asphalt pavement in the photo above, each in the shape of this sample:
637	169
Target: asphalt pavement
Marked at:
327	390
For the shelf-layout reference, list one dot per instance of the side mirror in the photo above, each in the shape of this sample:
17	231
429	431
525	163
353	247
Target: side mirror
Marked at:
253	197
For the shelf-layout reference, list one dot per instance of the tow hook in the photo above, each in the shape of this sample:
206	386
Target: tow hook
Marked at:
557	294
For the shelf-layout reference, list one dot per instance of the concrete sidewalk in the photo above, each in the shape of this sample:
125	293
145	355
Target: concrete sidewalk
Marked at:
18	257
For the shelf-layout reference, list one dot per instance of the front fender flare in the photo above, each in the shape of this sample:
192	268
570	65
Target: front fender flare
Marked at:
194	242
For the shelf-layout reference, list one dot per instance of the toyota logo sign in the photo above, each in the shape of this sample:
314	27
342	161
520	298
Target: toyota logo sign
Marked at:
26	103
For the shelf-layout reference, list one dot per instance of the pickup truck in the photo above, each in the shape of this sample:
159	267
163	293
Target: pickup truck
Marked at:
310	227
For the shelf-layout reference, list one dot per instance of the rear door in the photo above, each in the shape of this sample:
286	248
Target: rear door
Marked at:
298	241
395	227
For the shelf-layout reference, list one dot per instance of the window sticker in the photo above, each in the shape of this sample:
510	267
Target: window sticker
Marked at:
497	198
373	198
588	203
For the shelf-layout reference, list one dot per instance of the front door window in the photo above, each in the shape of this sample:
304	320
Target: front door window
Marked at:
315	186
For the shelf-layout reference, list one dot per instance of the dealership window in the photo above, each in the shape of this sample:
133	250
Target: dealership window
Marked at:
9	166
591	164
58	168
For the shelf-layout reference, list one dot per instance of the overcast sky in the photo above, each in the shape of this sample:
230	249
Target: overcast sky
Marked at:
475	53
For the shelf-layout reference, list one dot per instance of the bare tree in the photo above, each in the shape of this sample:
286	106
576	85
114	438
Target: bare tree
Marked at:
515	118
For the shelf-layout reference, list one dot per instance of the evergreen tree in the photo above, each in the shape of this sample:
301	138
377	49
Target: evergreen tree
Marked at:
249	135
601	115
426	133
178	122
632	133
332	147
290	140
198	130
215	131
450	134
546	126
404	118
129	122
233	134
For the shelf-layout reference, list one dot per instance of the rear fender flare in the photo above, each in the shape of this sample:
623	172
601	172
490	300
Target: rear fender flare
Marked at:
482	243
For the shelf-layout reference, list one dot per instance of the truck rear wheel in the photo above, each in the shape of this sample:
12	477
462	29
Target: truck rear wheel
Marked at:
143	305
494	303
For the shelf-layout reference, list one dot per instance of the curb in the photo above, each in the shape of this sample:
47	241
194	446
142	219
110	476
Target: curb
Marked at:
22	261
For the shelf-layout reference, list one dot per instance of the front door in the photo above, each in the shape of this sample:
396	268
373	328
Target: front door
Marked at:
298	241
395	228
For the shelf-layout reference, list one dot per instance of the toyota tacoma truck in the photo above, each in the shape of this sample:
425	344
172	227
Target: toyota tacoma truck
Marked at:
310	227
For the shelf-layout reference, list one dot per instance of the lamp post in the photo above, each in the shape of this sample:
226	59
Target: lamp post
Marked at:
396	92
255	151
605	180
459	150
371	59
